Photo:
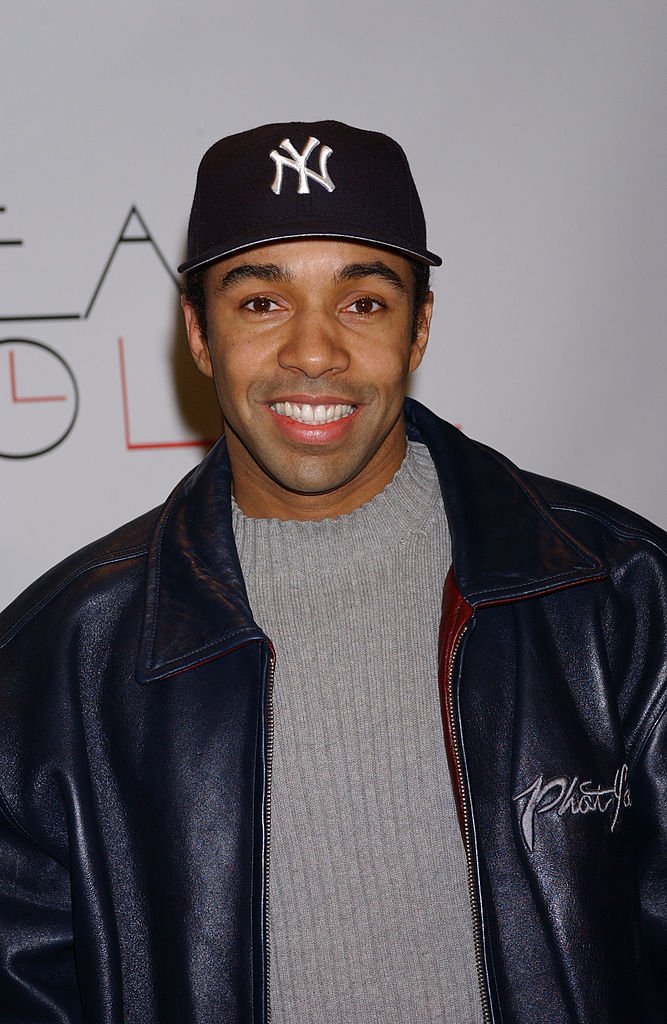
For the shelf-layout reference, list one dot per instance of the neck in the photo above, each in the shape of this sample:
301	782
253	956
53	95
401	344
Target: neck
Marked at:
260	496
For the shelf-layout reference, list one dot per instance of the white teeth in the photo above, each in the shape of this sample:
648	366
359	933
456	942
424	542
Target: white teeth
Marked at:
312	413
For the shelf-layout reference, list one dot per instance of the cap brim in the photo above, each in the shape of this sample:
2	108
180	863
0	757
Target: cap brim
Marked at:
213	255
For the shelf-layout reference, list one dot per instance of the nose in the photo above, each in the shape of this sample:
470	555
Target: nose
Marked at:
314	345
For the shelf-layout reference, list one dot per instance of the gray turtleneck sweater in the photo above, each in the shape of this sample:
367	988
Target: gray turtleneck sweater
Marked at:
369	911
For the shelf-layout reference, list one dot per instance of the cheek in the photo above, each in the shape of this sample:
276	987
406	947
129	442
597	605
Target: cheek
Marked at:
388	366
237	369
233	361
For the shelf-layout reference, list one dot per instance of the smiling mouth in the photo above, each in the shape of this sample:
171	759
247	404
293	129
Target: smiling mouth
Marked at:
304	413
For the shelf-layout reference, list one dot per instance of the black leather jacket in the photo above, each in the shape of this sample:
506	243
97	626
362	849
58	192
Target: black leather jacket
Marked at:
135	759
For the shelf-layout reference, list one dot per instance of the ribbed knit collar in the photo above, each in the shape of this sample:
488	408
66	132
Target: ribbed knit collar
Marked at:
404	507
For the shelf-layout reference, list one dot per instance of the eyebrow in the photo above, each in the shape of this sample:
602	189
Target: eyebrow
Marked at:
375	269
245	271
272	272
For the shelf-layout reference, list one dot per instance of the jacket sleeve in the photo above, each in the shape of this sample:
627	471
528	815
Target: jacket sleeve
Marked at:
642	623
650	816
37	971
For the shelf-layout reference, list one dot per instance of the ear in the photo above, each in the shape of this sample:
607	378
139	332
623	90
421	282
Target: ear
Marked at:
196	340
420	341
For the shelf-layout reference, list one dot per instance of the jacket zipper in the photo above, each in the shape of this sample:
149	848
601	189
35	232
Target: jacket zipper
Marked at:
465	828
267	833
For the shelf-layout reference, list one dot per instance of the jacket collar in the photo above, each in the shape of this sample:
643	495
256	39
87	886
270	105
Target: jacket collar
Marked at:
506	546
196	603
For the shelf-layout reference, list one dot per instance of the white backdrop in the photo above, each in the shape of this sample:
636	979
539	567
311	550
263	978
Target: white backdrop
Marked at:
536	133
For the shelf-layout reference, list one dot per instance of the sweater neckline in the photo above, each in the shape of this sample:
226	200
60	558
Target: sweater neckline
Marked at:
404	507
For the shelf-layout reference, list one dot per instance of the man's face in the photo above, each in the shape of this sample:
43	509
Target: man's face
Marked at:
309	346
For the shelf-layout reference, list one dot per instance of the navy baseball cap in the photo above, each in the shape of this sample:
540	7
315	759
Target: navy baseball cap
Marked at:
322	179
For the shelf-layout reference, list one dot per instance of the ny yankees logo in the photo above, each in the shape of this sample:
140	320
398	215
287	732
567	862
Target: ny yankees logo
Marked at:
298	161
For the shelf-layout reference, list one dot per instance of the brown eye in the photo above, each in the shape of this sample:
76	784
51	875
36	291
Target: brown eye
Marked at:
365	305
260	304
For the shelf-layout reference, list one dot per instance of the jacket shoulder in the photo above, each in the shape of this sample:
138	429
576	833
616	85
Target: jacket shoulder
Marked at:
595	514
99	562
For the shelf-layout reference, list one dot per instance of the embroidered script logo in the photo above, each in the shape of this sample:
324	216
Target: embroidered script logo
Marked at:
298	162
570	796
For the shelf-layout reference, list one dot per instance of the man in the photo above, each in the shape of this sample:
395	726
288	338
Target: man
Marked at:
199	823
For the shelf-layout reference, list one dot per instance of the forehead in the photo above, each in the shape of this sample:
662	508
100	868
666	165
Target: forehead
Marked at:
313	257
